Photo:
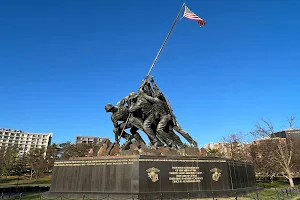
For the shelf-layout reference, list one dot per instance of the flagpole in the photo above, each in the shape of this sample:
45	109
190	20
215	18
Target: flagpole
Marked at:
165	41
156	58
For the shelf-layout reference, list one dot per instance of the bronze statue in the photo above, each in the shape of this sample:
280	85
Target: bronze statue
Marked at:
148	111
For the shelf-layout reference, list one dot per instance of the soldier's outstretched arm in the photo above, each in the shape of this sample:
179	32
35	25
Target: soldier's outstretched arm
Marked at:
114	121
123	101
149	98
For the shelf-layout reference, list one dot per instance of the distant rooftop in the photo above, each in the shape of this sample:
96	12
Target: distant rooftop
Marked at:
21	131
292	129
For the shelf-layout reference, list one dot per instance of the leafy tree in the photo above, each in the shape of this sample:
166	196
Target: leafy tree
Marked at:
36	161
209	150
51	155
65	150
20	168
68	150
9	161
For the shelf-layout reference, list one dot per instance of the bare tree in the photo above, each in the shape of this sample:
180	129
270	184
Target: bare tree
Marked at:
265	130
291	121
278	157
239	150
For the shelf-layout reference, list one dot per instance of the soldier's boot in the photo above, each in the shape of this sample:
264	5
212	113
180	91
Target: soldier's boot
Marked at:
136	135
158	143
194	143
171	143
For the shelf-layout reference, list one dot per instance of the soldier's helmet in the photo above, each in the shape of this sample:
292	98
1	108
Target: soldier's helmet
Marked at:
133	95
108	107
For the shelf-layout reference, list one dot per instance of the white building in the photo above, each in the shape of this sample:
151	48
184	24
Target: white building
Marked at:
228	149
22	140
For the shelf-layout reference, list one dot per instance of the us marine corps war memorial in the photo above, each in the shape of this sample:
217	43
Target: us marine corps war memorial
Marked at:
165	169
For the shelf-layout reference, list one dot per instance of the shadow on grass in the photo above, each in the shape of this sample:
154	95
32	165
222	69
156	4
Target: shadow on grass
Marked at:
12	181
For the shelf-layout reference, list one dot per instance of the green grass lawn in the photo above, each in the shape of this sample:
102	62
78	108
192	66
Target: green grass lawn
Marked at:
267	194
11	181
26	197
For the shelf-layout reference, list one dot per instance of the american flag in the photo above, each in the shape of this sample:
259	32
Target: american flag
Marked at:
190	15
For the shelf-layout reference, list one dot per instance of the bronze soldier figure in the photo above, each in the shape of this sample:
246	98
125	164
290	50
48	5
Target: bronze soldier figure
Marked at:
126	100
144	108
121	114
161	113
176	126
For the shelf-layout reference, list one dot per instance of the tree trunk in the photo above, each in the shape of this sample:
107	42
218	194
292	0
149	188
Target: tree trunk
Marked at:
291	181
31	173
290	177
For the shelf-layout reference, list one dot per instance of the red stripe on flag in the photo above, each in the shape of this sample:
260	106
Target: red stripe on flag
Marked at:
190	15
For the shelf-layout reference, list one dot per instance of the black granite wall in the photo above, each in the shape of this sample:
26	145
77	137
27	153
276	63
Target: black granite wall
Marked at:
177	176
107	177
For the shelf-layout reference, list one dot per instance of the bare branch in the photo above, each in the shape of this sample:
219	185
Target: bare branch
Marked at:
285	176
290	153
234	137
265	129
291	121
269	125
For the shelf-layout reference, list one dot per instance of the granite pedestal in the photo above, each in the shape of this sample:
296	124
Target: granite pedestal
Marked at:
149	177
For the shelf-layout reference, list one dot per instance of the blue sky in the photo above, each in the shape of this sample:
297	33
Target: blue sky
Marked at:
62	61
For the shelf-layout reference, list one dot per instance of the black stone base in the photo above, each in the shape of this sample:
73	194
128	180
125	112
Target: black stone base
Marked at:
151	177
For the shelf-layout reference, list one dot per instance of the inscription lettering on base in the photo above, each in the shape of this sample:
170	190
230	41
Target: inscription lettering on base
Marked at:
185	175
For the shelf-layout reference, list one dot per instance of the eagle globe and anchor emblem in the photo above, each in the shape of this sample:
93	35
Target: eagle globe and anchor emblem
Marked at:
216	173
152	174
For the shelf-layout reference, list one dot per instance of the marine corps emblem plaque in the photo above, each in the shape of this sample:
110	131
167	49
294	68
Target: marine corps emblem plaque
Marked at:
216	173
152	174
